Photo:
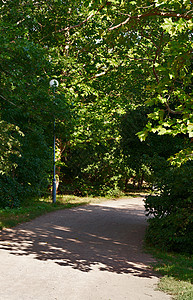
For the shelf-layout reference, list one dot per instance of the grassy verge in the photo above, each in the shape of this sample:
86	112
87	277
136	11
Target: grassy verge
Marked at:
177	271
12	217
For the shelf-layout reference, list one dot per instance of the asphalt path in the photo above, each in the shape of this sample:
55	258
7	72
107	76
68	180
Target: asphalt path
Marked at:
87	253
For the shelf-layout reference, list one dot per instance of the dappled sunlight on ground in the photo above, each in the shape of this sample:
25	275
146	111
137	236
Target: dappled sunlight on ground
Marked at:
83	238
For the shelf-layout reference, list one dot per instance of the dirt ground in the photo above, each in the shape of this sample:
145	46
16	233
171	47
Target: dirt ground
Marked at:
87	253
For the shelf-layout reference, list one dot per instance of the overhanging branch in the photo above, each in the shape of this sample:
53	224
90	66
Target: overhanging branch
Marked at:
185	16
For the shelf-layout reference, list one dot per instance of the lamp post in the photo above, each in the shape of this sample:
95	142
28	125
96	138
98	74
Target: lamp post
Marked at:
54	84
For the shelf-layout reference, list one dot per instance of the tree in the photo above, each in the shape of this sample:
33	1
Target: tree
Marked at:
109	56
25	113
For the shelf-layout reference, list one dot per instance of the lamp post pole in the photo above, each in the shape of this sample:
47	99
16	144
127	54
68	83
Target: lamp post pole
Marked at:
54	84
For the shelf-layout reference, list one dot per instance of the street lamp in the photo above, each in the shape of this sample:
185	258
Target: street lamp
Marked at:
54	84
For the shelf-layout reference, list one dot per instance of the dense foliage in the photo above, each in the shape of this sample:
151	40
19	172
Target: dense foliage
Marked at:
171	208
24	152
123	108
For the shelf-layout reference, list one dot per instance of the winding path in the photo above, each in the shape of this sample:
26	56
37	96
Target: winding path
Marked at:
87	253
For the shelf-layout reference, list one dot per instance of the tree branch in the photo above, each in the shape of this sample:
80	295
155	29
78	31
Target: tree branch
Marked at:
137	59
153	13
171	110
8	101
86	20
158	50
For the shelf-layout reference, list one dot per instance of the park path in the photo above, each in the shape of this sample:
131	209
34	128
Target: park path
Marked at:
87	253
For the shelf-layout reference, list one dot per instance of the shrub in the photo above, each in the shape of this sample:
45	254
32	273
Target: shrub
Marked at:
171	212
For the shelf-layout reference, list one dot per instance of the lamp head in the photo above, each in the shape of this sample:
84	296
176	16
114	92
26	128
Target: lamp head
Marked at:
54	83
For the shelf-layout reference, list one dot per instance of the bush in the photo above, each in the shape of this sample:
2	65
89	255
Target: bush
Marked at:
171	222
28	176
9	192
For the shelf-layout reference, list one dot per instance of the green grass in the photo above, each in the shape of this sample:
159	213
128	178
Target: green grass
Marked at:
177	271
181	290
10	217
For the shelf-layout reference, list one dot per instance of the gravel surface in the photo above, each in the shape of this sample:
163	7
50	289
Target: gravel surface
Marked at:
87	253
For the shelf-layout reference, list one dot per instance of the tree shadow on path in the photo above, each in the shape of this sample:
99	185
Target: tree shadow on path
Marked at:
91	236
